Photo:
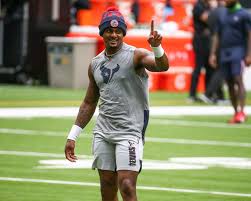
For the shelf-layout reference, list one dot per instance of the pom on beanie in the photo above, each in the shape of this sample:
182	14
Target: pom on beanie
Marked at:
112	18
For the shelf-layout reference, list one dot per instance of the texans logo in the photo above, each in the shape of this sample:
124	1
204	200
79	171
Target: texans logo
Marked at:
107	73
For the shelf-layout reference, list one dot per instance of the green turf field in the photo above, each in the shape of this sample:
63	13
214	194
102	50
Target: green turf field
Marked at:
20	96
221	153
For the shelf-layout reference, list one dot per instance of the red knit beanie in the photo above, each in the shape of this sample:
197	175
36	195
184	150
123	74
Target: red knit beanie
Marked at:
112	18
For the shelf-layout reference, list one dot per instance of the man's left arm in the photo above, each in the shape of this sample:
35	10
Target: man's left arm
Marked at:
157	61
248	56
247	25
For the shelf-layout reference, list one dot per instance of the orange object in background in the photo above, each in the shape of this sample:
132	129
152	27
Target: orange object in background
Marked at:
146	11
174	81
180	81
182	14
154	81
93	15
85	17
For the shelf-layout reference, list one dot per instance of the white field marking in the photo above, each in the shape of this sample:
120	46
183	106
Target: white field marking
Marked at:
198	142
178	163
147	165
38	112
31	132
198	124
154	111
86	162
148	139
149	188
37	132
226	162
38	154
194	110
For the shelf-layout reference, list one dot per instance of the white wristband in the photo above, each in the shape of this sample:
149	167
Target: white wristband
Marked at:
158	51
74	132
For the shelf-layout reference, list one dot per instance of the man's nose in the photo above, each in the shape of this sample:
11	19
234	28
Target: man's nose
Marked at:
113	34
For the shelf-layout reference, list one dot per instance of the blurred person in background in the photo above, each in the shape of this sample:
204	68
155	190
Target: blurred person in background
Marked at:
168	10
135	9
201	45
233	36
76	6
246	4
118	78
214	92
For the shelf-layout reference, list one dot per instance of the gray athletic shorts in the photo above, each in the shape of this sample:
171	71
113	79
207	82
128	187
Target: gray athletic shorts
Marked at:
117	152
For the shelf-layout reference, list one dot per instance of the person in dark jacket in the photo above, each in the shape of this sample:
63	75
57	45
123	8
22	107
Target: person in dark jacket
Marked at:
233	36
214	92
201	45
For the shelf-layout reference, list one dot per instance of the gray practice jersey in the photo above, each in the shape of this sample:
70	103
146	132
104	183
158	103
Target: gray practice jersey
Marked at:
124	98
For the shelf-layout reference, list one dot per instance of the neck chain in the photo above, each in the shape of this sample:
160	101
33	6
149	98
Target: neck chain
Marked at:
111	55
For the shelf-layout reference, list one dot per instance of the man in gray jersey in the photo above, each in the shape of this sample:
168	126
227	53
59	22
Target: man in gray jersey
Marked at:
118	79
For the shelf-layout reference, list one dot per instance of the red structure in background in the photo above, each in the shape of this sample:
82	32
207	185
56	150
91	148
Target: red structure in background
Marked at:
92	16
147	10
178	48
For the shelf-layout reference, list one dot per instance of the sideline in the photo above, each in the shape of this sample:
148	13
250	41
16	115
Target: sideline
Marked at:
149	188
154	111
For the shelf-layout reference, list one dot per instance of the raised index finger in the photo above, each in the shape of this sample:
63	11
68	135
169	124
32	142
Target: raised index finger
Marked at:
152	26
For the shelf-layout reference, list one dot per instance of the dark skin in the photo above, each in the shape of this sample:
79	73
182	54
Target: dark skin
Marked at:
205	14
230	3
123	180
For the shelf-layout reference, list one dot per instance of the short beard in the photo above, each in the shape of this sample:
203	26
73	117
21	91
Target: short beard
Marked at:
231	5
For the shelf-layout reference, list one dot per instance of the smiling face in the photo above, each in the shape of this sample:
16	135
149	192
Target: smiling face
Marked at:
113	38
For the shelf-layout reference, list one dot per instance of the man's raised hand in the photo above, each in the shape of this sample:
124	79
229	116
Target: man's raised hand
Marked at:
154	38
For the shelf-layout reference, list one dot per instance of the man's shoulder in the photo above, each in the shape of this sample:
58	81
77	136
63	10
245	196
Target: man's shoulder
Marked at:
245	12
97	57
242	14
128	47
